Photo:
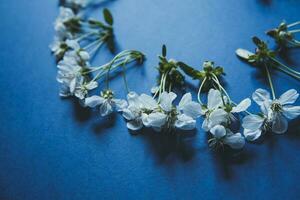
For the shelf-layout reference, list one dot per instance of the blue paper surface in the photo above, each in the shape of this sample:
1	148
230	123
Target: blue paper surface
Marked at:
51	148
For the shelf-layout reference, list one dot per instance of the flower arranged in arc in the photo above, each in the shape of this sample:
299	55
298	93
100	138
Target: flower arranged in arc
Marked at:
76	78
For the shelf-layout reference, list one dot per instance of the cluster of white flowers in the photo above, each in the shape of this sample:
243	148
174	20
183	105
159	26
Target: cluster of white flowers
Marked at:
219	114
160	114
73	49
274	114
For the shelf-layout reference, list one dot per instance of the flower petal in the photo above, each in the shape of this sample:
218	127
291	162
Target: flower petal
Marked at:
218	131
135	125
93	101
242	106
148	102
105	108
261	95
218	116
154	119
128	114
235	141
193	110
252	122
185	122
187	98
289	97
245	54
291	112
214	99
120	104
167	100
280	123
252	135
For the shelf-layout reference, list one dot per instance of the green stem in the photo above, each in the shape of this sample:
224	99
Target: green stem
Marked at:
124	76
287	72
199	91
295	31
284	66
270	81
293	24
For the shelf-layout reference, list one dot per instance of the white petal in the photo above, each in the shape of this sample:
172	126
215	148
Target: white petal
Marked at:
243	53
72	85
185	122
166	100
84	55
105	108
291	112
73	44
235	141
156	119
148	102
242	106
135	125
205	125
120	104
252	122
261	95
218	116
93	101
214	99
289	97
252	135
187	98
193	110
133	99
280	123
218	131
92	85
128	114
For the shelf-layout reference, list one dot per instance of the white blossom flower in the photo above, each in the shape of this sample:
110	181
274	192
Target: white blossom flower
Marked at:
59	48
106	103
222	136
65	15
82	90
161	114
69	75
214	113
278	110
136	106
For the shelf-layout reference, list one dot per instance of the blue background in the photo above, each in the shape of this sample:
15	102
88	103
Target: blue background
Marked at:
51	148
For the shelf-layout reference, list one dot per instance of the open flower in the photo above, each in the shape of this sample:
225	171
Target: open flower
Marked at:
69	75
275	113
213	112
59	48
82	90
66	23
222	136
106	102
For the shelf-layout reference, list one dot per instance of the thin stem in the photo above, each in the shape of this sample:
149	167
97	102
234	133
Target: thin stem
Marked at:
295	31
215	78
287	72
270	81
124	76
92	44
85	36
199	91
286	67
293	24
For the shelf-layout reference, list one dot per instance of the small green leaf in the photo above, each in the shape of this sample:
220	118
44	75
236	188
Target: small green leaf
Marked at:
108	16
256	40
164	51
189	70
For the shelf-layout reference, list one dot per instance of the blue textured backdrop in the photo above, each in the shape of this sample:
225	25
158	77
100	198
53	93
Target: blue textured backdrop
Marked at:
52	149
